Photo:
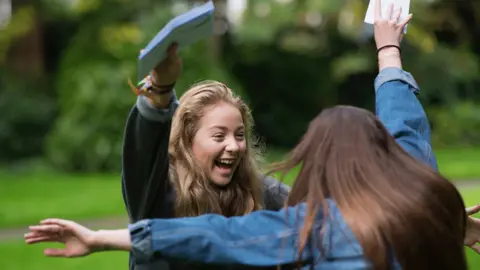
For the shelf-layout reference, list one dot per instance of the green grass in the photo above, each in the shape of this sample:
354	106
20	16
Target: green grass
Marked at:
459	164
454	163
18	256
28	198
23	257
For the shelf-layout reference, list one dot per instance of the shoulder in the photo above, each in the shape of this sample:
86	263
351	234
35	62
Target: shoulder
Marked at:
272	185
275	193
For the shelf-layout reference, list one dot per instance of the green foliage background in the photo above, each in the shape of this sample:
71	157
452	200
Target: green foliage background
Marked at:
288	59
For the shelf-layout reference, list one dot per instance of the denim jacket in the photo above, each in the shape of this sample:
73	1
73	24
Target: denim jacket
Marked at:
269	238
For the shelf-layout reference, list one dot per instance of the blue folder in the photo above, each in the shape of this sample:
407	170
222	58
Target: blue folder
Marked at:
185	29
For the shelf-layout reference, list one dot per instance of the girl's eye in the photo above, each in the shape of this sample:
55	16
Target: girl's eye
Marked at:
218	137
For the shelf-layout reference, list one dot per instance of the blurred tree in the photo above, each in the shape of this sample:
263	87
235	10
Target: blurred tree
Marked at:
25	104
92	81
289	59
311	54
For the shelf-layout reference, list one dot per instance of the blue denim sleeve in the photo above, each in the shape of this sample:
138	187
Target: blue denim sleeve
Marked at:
262	238
401	112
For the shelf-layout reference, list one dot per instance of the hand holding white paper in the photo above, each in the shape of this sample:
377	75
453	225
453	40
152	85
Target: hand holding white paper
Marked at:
404	4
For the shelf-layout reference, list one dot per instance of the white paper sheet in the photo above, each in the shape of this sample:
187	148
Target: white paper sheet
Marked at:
404	4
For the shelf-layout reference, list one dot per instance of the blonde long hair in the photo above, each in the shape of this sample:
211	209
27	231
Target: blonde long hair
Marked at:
195	194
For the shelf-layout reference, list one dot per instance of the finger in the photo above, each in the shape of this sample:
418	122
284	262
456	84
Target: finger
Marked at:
396	14
56	221
35	234
64	224
390	11
41	239
403	23
172	51
378	10
51	229
475	248
473	210
55	252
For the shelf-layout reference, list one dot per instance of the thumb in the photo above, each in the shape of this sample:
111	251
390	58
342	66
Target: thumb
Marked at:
403	23
473	210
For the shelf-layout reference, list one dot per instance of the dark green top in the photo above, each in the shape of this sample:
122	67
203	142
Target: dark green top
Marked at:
147	192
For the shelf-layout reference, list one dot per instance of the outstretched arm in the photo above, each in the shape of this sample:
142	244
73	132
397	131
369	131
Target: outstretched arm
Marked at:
262	238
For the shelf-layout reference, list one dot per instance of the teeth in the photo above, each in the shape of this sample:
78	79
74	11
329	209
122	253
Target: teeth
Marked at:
226	162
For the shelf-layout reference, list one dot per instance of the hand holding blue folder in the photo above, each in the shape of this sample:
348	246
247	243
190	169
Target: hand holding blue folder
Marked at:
185	29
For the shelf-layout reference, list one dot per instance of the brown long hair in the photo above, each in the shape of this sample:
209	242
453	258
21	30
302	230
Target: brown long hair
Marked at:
195	193
391	201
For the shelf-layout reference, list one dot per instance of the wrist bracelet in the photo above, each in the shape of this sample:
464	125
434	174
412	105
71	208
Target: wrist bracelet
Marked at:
160	87
389	46
147	86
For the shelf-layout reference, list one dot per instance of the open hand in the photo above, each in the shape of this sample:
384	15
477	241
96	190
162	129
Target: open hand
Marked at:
472	236
79	241
387	28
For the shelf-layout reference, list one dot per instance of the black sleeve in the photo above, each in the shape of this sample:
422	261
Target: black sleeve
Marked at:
275	193
147	192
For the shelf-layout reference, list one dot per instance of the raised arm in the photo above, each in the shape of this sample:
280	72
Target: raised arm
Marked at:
145	186
396	103
402	113
145	160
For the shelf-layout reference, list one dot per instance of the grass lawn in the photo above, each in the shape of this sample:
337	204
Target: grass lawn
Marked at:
28	198
459	164
23	257
18	256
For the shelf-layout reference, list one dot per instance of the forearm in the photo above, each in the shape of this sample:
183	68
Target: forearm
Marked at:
389	57
262	238
160	102
157	113
110	240
401	112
